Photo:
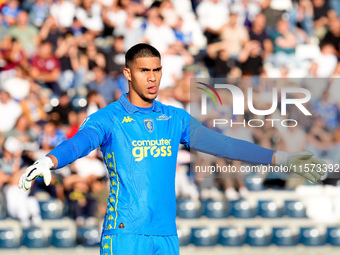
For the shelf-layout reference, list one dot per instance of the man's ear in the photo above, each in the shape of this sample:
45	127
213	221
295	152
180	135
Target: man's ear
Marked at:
127	73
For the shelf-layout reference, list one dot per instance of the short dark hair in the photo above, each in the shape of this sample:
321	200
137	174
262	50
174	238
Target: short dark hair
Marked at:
140	50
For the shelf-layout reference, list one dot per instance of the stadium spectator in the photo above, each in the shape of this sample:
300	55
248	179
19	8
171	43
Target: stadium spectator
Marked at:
115	57
19	205
322	14
51	136
10	111
169	13
335	5
10	13
3	32
182	87
99	192
236	36
233	181
320	141
222	63
284	46
135	7
89	14
206	182
104	85
74	122
333	35
166	96
14	56
60	112
46	68
82	206
268	136
50	32
95	101
63	11
24	134
294	138
273	10
157	33
250	59
10	161
90	166
72	73
301	19
114	18
25	33
184	186
39	12
257	33
212	16
132	31
76	29
246	11
33	106
327	110
190	35
19	84
73	125
324	65
90	59
173	62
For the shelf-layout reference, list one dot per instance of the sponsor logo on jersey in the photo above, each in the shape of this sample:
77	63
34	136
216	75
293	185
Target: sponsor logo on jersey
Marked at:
148	124
163	117
127	119
151	148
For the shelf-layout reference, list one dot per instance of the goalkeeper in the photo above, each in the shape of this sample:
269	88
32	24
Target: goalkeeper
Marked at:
139	139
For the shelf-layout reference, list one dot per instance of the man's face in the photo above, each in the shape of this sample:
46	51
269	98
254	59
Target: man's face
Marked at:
22	18
144	75
4	97
46	50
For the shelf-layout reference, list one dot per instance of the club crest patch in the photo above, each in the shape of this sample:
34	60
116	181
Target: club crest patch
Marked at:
149	125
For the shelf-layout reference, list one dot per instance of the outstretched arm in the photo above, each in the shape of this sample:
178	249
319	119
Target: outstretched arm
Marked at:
206	140
67	152
200	138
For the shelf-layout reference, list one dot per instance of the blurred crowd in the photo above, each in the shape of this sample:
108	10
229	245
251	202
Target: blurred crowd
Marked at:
61	60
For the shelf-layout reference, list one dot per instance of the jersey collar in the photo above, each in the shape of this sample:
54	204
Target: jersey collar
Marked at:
130	108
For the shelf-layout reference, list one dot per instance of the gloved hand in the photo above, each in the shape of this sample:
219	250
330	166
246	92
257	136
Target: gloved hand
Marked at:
40	168
302	163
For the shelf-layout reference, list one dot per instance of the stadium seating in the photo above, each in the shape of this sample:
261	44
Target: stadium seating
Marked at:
62	238
283	236
183	237
294	209
256	236
34	238
311	236
230	236
188	209
215	209
268	209
8	240
51	209
333	236
254	182
88	237
203	237
242	209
